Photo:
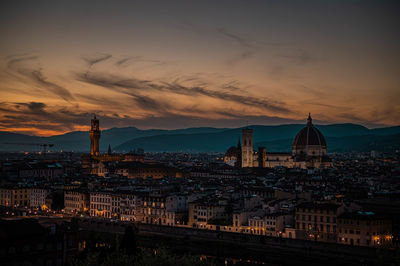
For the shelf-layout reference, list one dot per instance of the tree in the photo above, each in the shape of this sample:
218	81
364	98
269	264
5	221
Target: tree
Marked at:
129	242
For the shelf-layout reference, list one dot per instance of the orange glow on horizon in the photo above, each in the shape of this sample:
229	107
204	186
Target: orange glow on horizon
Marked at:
43	133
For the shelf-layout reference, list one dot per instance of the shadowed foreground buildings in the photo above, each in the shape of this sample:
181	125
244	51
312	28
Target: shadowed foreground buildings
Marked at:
28	242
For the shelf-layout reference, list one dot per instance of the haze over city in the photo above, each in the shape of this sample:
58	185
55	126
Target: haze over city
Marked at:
179	64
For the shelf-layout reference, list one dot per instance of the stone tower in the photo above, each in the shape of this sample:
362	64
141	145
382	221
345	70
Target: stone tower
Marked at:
247	147
262	157
94	135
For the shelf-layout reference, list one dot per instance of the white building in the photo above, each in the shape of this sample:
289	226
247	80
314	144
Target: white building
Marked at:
75	201
101	204
38	197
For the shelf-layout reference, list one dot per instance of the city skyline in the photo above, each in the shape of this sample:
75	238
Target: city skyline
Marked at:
179	65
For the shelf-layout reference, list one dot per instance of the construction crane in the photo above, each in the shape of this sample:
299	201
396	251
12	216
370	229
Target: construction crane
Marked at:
43	145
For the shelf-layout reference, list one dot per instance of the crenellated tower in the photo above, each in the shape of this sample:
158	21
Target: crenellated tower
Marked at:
94	135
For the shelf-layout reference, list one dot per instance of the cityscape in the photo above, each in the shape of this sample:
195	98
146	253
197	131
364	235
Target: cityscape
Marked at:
210	134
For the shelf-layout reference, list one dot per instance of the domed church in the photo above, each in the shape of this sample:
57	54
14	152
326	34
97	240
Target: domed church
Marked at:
309	141
309	150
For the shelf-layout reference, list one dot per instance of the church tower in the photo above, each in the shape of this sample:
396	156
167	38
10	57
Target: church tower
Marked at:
247	147
94	135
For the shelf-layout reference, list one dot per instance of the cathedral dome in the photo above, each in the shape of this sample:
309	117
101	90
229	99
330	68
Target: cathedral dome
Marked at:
309	140
231	152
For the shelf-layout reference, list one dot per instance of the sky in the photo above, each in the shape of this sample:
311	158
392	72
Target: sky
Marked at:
179	64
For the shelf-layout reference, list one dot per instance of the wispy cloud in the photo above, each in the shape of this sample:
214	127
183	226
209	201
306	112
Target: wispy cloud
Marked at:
95	59
137	59
238	39
18	68
39	117
133	86
299	56
248	48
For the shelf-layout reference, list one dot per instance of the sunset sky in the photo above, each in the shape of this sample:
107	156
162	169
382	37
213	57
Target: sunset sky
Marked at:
179	64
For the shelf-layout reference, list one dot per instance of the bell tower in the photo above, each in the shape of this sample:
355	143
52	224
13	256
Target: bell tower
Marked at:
94	135
247	147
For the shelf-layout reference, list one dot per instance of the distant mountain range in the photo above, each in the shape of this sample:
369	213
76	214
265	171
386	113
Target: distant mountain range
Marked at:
339	137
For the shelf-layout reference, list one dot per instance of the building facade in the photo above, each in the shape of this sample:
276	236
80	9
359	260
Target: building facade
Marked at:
76	201
364	229
38	197
247	147
15	197
100	204
316	221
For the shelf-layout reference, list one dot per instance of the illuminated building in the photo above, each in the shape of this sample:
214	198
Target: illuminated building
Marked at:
364	229
309	150
15	197
247	147
128	204
76	201
262	157
93	163
100	204
94	135
153	210
231	155
270	224
38	197
205	212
